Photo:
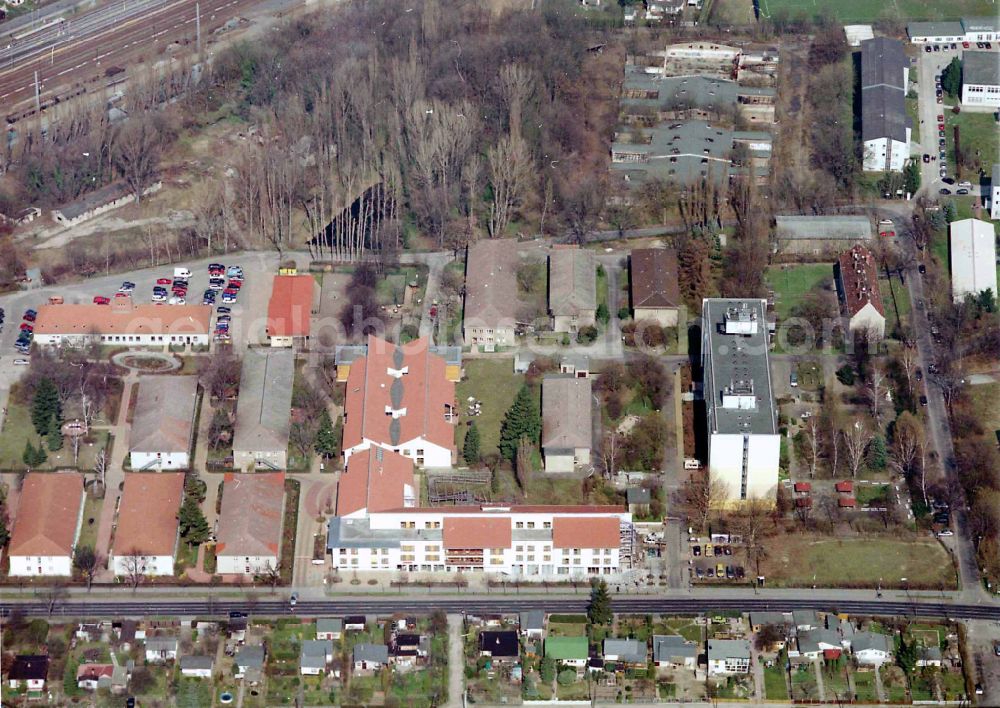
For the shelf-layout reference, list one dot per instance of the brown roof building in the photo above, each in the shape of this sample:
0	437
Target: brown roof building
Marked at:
586	532
49	514
491	301
858	289
477	532
147	523
654	282
289	311
249	537
376	479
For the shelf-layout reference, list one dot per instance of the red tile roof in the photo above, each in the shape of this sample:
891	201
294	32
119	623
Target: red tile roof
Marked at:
147	517
831	653
845	487
93	672
586	532
847	502
375	480
466	532
250	521
803	487
123	318
423	392
496	509
290	308
47	514
859	280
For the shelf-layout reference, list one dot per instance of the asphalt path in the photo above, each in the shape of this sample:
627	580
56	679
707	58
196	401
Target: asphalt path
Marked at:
474	604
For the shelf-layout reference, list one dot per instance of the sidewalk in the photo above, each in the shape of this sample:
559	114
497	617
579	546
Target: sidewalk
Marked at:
114	476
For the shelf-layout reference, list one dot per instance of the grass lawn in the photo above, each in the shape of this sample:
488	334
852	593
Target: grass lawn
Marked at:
18	430
494	384
978	133
864	686
806	559
894	684
895	298
282	690
952	684
868	11
602	287
810	375
804	685
193	693
683	626
576	691
984	400
835	680
791	282
91	520
567	629
868	493
913	111
775	687
732	12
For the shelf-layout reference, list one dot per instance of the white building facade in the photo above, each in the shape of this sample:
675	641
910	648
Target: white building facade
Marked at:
542	542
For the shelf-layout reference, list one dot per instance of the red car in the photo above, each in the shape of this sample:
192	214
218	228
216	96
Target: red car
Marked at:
234	285
123	295
941	118
965	45
163	281
25	327
101	300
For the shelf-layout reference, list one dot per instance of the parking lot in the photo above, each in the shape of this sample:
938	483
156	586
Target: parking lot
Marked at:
715	561
249	313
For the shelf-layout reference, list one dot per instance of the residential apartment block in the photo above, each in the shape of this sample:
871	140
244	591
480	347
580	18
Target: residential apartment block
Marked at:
400	397
146	534
523	541
743	449
858	289
47	525
490	315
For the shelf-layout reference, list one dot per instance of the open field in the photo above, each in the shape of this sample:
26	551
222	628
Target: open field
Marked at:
985	397
977	133
870	10
732	12
18	431
807	559
791	282
494	384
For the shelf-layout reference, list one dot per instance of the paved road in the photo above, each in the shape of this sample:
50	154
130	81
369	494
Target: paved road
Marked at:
479	603
456	662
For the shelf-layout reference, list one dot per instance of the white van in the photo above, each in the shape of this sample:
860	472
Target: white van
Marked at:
182	273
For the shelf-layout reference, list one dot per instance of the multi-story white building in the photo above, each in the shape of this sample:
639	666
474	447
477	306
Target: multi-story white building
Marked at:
524	541
400	397
743	449
968	29
146	534
728	656
885	126
981	79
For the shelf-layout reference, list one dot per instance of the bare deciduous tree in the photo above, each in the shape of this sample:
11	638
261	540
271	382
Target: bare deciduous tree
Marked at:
700	494
137	154
510	172
813	438
856	439
516	84
133	567
876	389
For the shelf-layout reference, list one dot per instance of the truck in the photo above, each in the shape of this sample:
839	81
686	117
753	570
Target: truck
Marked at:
182	273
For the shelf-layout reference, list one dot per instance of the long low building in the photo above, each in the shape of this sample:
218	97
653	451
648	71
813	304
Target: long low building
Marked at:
163	424
968	29
123	322
981	79
523	541
973	258
821	235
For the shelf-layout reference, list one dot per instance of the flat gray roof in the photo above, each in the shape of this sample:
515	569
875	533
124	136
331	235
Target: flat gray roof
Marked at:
883	95
728	649
93	200
842	228
683	92
952	28
982	68
264	406
737	375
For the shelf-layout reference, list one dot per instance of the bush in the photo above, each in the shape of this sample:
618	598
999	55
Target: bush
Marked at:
845	375
566	677
624	313
587	335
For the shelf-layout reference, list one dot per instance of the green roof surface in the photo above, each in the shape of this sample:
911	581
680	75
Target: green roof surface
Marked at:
565	648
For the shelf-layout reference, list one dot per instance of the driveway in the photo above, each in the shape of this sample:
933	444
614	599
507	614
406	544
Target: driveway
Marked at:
456	662
929	65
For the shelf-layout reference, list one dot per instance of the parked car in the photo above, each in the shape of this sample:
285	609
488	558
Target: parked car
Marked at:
923	400
234	272
127	287
163	281
101	300
177	301
927	158
223	310
234	284
217	283
214	268
696	550
937	48
30	315
963	190
965	45
921	269
927	49
980	45
944	191
21	362
224	318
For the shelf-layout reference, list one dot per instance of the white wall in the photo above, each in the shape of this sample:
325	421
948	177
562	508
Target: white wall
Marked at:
663	316
995	202
762	466
559	463
41	566
980	95
167	460
151	565
237	565
886	155
434	455
868	319
149	340
725	463
244	459
725	459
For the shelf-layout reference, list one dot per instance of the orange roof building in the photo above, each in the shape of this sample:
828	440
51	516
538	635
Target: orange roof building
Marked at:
376	479
289	311
859	293
146	537
47	525
250	523
123	322
400	397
